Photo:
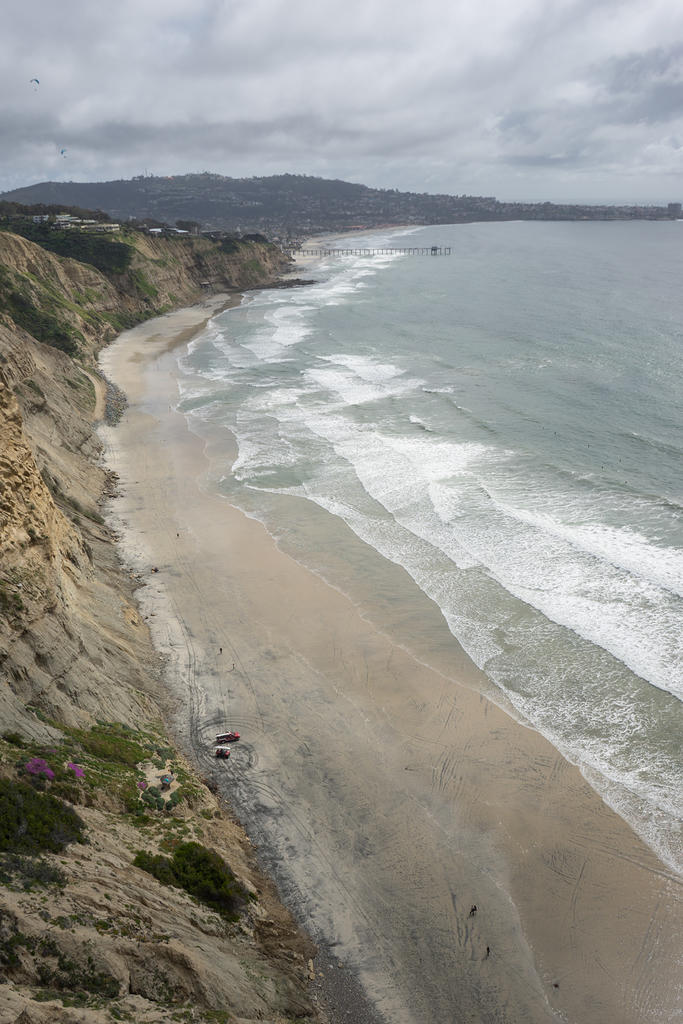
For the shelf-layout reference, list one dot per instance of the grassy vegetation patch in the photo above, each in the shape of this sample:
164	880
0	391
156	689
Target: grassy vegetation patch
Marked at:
109	753
102	760
17	300
200	872
123	321
144	286
110	745
31	821
89	296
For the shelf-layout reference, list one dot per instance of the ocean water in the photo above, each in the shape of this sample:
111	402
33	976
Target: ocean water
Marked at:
504	423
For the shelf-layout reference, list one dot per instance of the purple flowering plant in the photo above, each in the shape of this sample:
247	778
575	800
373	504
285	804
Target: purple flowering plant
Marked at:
39	766
76	769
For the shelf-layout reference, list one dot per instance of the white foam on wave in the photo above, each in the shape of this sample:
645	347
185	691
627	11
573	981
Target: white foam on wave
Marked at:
386	476
435	489
365	367
201	408
622	547
635	620
290	325
356	389
275	400
285	321
345	281
211	334
190	389
257	457
215	352
281	327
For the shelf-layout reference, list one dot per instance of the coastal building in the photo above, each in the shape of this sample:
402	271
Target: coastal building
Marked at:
62	221
102	227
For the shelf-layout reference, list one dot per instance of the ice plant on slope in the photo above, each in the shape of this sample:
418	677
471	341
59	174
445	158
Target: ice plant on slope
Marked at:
39	766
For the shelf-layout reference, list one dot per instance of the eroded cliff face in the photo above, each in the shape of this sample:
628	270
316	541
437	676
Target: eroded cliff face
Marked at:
84	934
76	308
68	625
182	270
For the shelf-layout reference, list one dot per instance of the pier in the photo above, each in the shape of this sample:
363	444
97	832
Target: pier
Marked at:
430	250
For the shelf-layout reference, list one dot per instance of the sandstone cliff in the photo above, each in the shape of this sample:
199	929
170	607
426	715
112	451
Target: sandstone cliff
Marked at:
76	308
84	934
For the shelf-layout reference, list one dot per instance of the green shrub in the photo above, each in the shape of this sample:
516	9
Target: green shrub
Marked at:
153	798
109	746
200	872
31	821
176	797
156	864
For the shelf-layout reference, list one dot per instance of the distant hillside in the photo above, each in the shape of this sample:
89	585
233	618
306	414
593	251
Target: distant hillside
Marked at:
289	206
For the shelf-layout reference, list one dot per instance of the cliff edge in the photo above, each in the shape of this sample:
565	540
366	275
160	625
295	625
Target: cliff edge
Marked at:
123	895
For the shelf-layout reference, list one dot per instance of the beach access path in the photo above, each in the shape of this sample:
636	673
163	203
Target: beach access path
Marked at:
387	795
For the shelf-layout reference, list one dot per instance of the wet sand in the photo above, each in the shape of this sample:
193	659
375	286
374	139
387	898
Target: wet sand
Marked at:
386	793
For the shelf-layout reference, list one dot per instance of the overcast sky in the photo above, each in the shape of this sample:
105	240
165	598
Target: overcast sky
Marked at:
521	99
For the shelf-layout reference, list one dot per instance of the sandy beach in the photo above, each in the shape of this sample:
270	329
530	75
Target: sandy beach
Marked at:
386	793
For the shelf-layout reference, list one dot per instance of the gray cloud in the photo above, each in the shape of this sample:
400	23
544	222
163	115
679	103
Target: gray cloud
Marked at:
647	86
522	99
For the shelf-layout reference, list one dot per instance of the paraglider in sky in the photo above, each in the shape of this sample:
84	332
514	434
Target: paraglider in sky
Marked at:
35	82
62	152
